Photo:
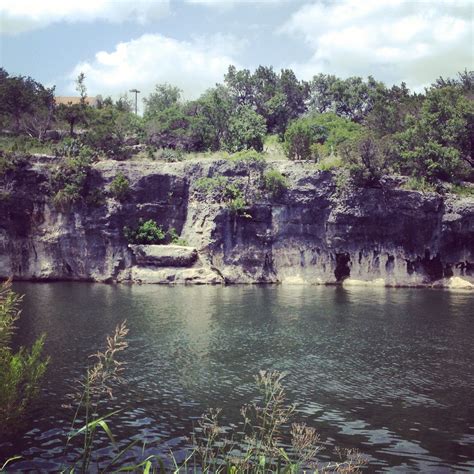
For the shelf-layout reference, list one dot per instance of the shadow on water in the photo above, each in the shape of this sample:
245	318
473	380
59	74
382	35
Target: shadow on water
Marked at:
390	371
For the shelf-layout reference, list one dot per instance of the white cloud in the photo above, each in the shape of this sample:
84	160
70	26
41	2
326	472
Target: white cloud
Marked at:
226	4
17	16
393	40
193	66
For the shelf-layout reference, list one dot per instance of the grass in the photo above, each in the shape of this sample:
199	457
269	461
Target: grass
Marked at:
253	447
462	190
419	184
329	162
24	144
273	148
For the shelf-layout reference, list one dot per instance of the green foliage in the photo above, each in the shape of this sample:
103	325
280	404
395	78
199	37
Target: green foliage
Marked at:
24	144
319	135
120	187
146	233
8	162
274	183
351	98
69	179
223	191
25	105
108	130
463	191
208	185
419	184
72	147
301	135
175	239
20	372
254	448
439	144
164	97
367	159
95	386
170	156
330	162
246	130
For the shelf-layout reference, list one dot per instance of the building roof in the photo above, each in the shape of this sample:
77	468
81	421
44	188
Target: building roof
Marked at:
92	101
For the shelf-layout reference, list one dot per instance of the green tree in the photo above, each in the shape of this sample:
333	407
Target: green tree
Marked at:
211	115
439	143
75	114
246	130
164	97
25	104
300	136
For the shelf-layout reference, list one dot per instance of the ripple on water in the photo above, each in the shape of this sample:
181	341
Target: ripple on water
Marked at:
390	371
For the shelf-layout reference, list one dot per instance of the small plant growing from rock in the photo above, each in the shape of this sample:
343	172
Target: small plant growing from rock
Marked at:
274	183
175	239
146	233
120	187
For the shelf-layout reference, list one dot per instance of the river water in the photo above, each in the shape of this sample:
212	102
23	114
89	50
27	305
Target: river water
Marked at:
389	371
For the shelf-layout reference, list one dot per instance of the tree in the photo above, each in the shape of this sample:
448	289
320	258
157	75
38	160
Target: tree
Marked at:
352	98
74	114
240	85
327	130
300	136
246	130
25	104
212	112
442	138
367	158
164	97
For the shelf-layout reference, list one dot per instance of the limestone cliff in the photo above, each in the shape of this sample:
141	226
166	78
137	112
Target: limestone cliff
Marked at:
314	232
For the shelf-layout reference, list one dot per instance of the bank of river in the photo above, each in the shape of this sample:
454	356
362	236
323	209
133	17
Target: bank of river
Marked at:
390	371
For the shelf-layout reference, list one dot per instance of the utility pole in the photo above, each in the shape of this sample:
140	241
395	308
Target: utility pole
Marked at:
136	92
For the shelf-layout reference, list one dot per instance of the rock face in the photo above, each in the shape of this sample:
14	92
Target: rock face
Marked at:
314	232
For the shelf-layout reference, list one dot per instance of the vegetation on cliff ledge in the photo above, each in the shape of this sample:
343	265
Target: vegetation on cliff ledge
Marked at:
361	126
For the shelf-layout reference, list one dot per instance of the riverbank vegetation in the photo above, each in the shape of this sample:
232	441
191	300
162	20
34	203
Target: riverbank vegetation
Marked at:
357	125
20	371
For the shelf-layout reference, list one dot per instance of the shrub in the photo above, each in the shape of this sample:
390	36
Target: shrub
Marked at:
120	187
237	205
419	184
319	135
299	137
170	155
72	147
146	233
274	183
367	160
68	180
212	185
463	191
20	372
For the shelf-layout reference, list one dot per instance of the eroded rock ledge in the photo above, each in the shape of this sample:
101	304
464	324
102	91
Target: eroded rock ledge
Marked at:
315	232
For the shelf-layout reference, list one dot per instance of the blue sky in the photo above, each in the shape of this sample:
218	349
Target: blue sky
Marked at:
123	44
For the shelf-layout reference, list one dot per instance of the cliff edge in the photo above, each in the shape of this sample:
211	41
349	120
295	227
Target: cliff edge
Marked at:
317	230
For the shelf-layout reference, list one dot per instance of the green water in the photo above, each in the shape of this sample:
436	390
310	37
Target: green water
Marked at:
389	371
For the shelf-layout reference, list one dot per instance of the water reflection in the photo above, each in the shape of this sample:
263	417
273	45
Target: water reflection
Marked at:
387	370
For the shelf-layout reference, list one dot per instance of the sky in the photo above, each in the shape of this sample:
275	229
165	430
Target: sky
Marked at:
122	44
